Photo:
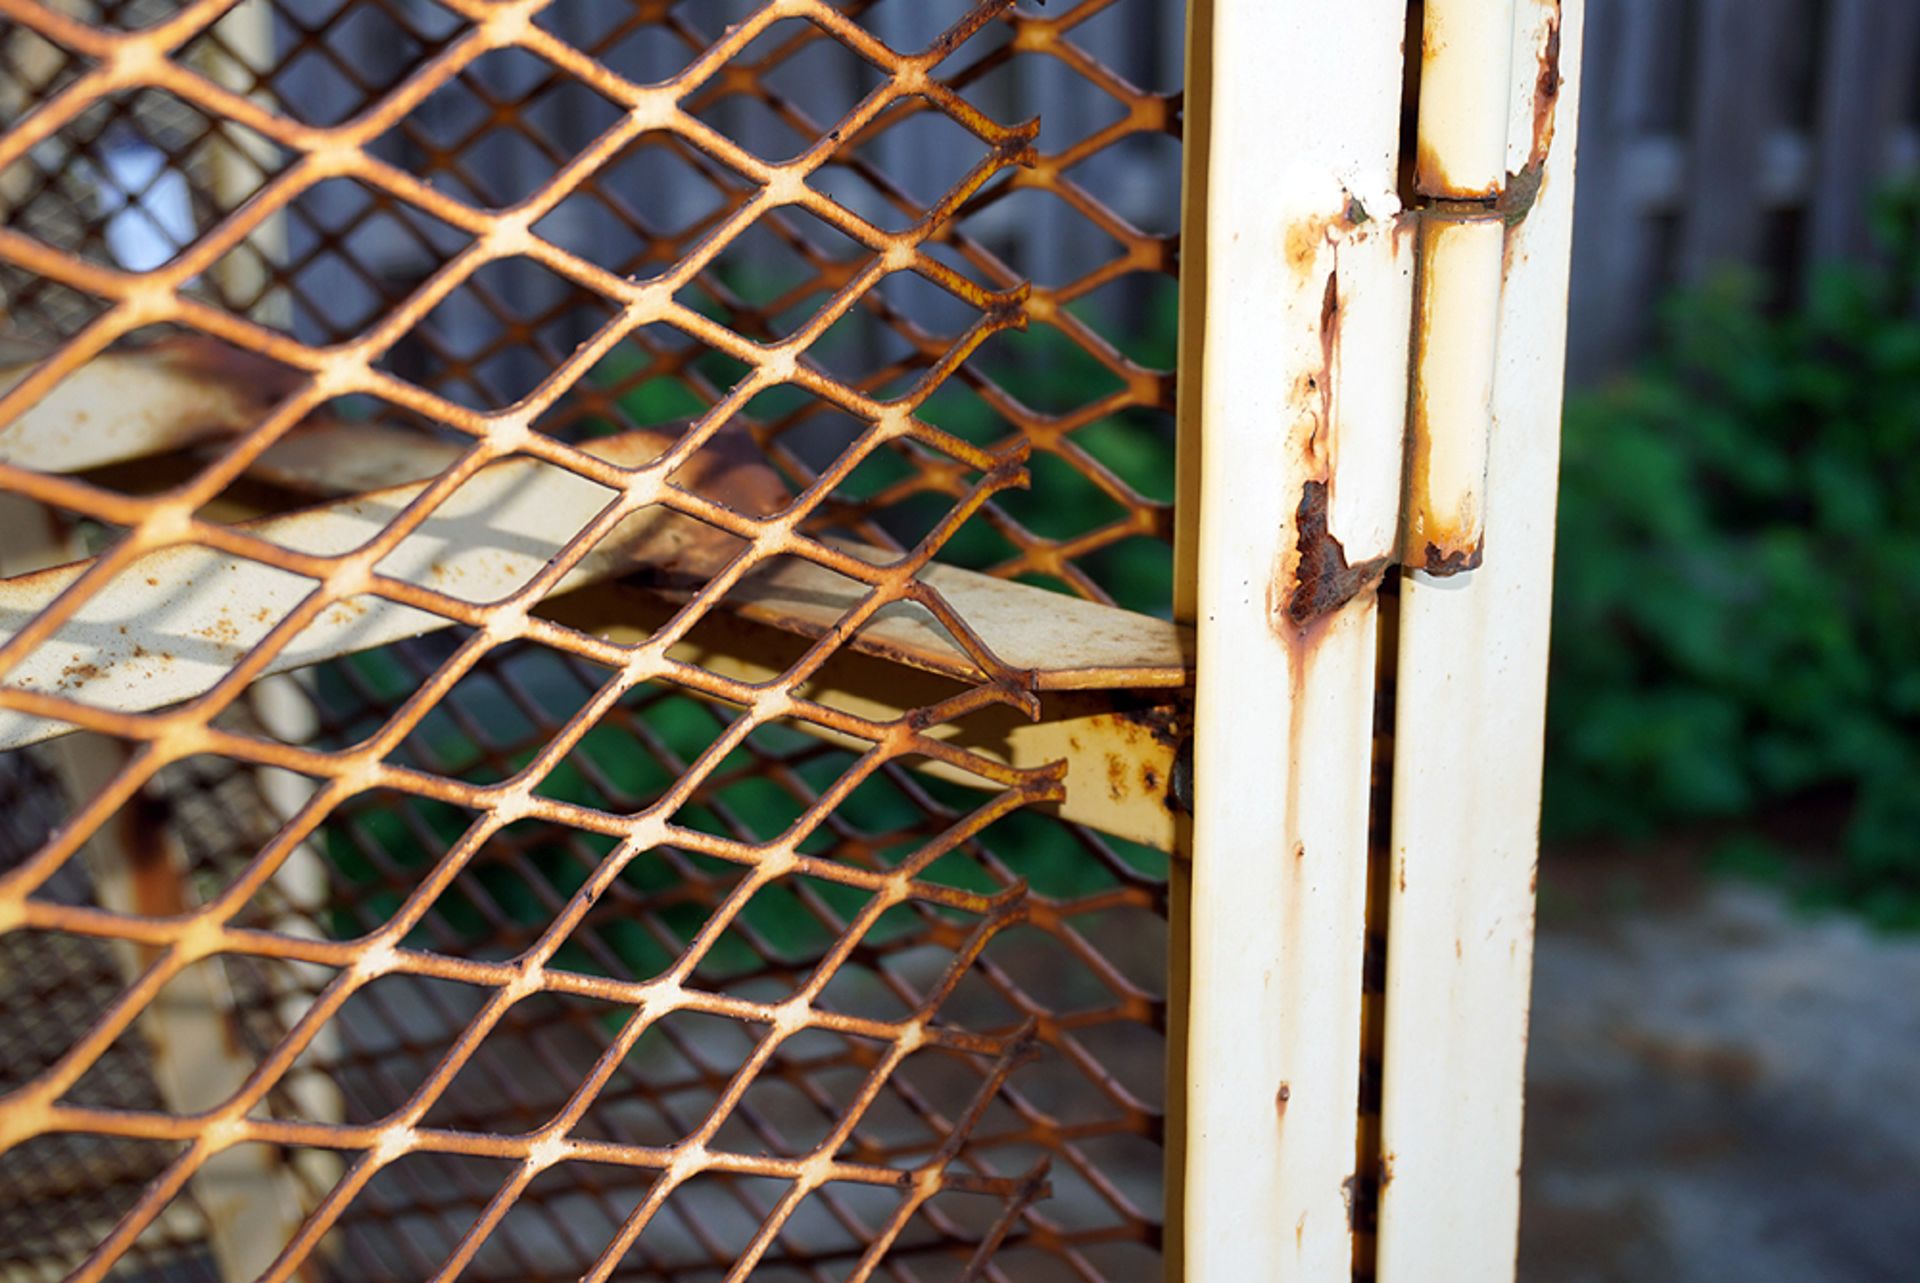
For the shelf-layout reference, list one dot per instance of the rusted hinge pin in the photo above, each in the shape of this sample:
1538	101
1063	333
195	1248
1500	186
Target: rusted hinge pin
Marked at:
1466	66
1461	172
1458	310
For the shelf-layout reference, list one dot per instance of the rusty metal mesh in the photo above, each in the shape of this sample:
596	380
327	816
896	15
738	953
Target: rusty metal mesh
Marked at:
536	953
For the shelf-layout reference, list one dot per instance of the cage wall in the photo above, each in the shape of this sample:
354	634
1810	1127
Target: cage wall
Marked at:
516	517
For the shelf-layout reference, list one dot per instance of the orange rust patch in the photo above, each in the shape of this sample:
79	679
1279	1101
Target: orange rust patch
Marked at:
1303	245
1323	580
1306	236
1431	174
78	674
158	889
222	631
1441	560
1523	186
1546	91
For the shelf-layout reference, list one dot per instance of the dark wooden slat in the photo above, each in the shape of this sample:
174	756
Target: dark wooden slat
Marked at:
1870	49
1735	106
1611	261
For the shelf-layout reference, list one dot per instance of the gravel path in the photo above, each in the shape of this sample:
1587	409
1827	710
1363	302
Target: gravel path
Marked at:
1721	1089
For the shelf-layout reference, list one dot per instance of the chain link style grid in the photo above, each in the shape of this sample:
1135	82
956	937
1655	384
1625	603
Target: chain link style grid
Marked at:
570	958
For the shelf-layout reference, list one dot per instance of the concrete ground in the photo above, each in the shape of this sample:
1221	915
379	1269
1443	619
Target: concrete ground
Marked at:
1721	1088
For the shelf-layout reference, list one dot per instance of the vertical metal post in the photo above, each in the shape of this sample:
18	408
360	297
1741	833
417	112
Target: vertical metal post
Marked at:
1298	308
1470	698
1196	145
237	160
138	867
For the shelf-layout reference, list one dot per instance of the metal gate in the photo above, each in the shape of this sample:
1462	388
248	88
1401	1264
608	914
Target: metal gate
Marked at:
602	674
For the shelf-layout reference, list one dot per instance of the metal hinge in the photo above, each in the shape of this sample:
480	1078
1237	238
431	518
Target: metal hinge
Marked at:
1460	183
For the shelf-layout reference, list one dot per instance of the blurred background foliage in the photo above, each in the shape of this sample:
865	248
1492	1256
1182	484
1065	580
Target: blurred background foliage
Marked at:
1737	613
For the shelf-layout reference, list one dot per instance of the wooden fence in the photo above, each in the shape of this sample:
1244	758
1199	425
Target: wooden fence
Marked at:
1723	132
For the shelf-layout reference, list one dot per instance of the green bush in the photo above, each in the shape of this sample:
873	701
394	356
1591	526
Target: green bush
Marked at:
1737	614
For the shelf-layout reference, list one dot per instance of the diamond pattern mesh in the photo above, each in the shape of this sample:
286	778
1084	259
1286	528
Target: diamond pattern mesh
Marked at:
493	944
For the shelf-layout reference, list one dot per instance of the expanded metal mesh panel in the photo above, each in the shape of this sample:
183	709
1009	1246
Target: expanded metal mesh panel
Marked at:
399	878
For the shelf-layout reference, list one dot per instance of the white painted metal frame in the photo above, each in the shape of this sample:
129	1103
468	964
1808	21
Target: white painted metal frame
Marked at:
1307	470
1301	404
1470	709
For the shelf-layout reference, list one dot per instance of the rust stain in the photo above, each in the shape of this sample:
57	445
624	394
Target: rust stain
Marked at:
1546	90
1167	724
77	674
1523	186
1306	236
1281	1098
1180	780
225	368
1314	578
1433	180
1327	380
222	631
158	889
1324	581
1441	548
1441	562
1303	244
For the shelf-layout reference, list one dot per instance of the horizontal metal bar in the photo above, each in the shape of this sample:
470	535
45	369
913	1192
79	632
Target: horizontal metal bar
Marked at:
140	402
177	620
1063	643
1120	747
